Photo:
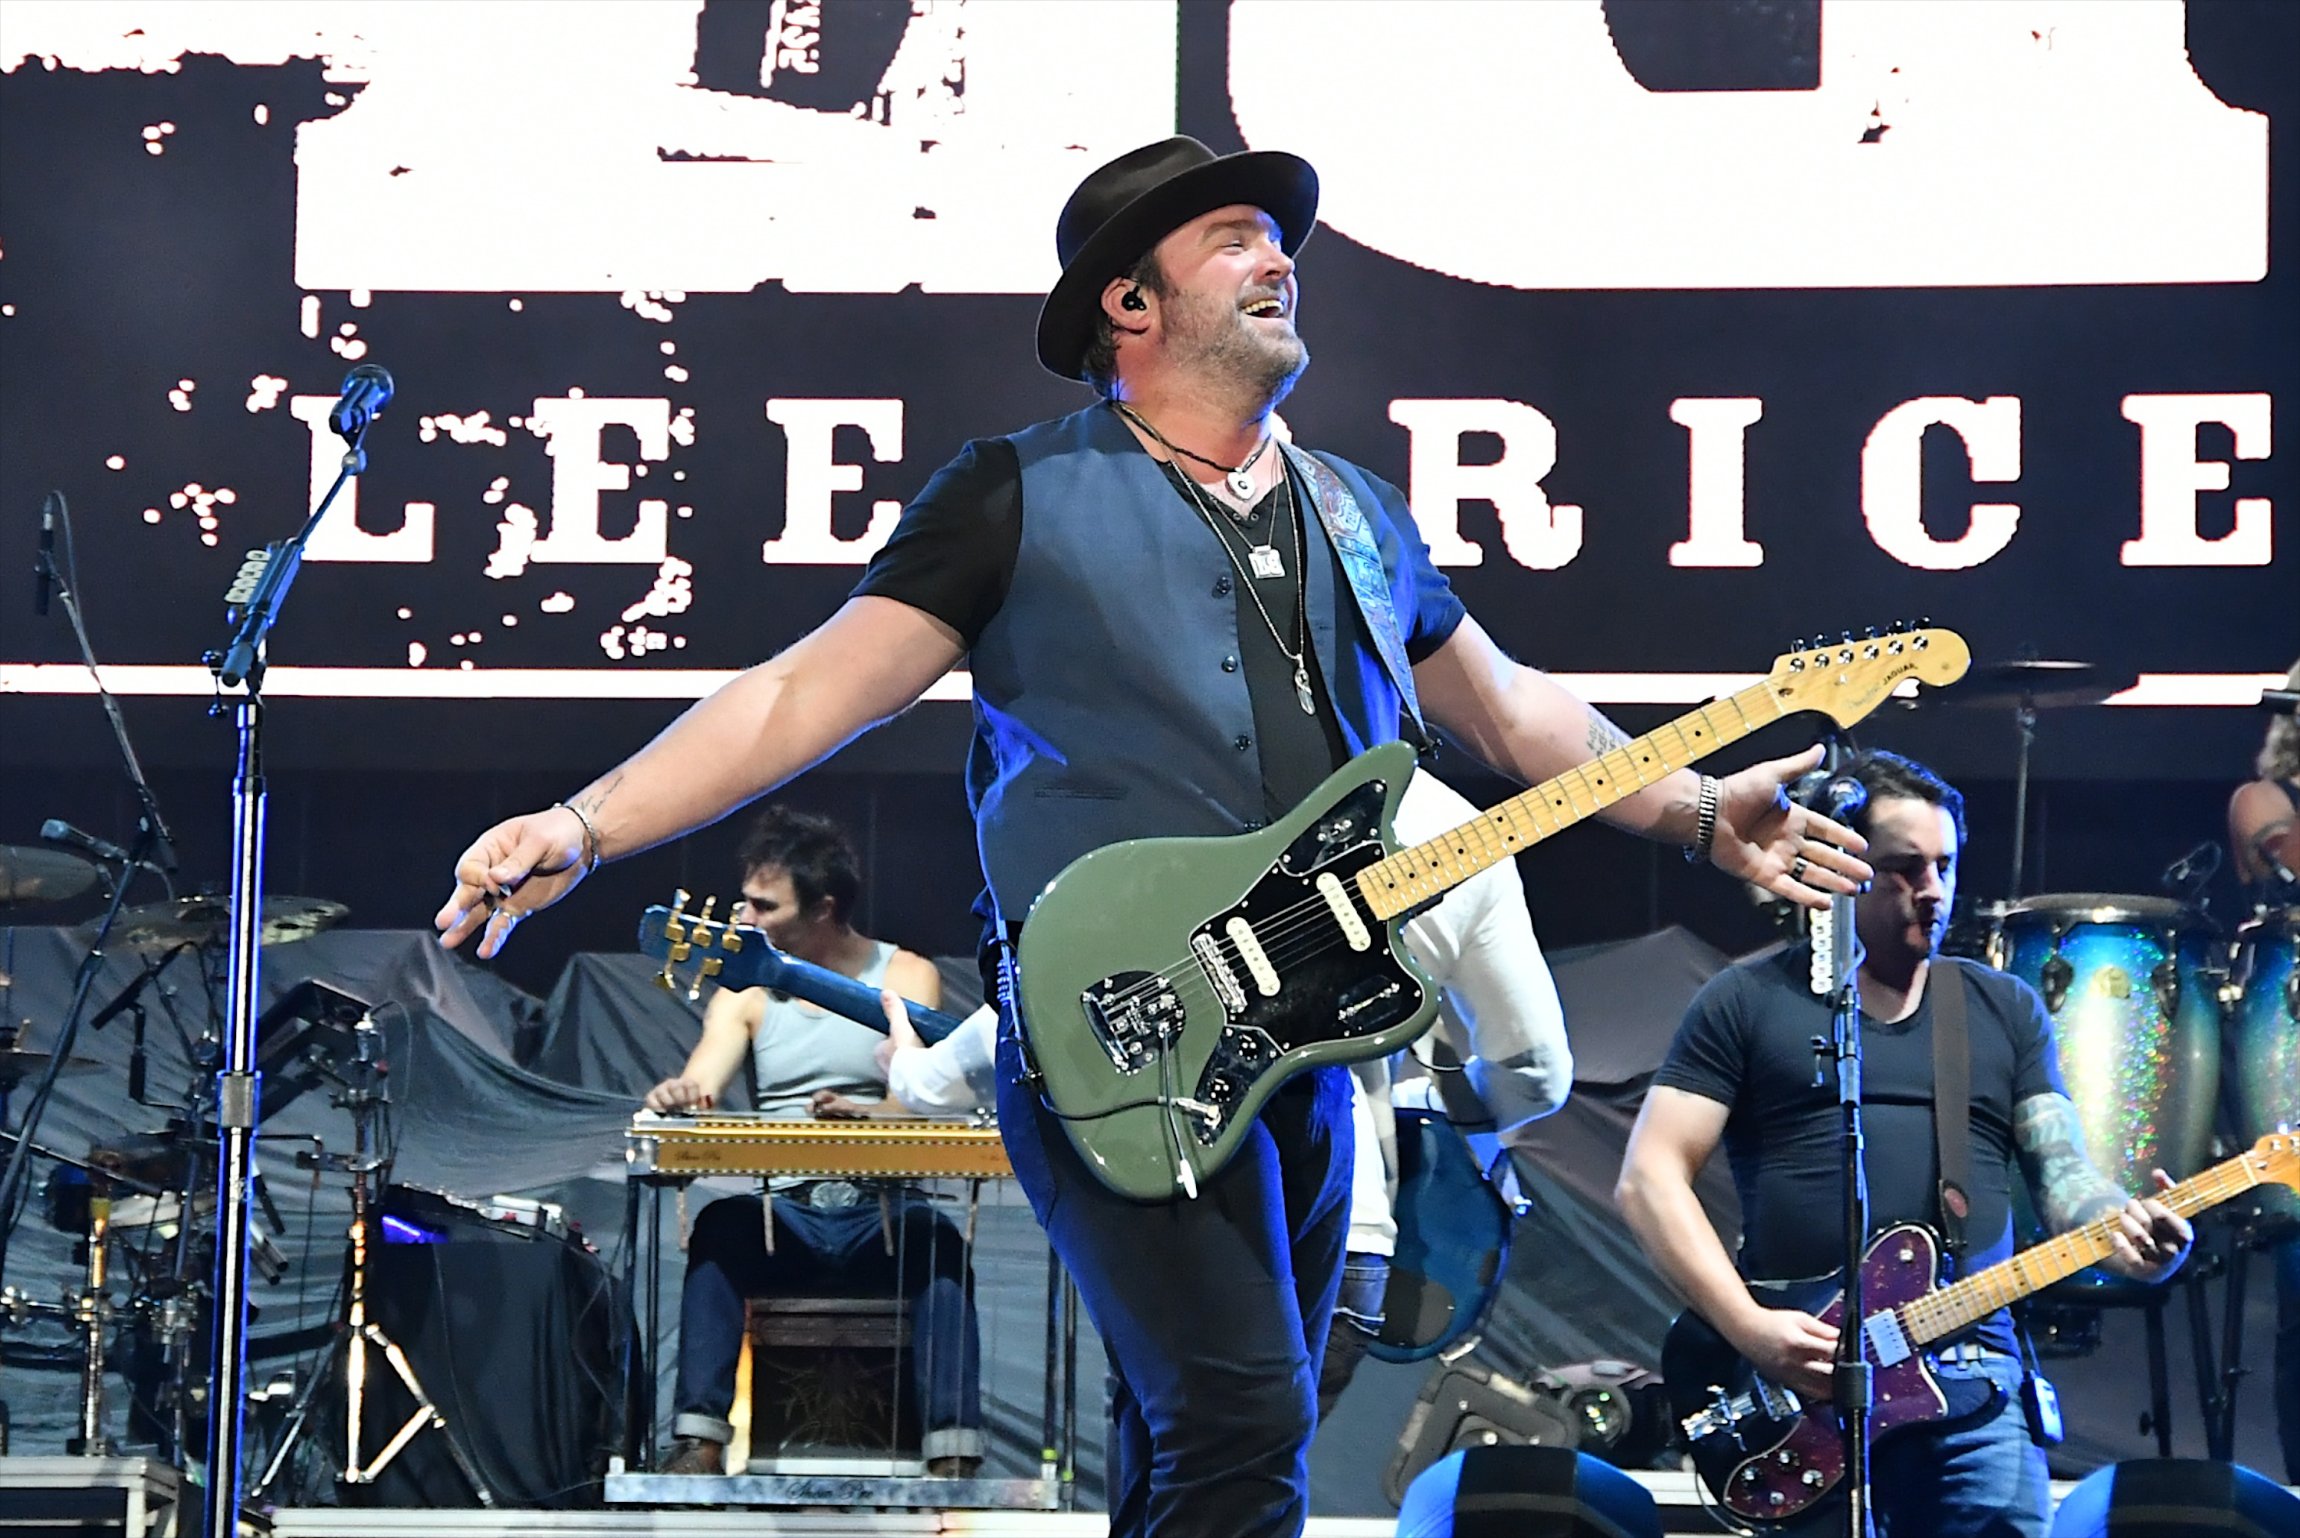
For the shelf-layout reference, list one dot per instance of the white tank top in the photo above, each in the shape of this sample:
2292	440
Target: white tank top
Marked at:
799	1049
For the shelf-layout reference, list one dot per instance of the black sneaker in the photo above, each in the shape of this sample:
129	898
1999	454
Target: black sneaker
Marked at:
694	1455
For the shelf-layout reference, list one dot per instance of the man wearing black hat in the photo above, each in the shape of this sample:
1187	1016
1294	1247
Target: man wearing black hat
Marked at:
1175	626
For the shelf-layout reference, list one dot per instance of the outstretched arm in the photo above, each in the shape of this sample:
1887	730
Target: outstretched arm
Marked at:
1524	723
866	663
2150	1239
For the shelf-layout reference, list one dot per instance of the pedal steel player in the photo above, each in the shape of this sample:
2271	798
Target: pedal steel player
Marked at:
1174	626
800	882
1741	1071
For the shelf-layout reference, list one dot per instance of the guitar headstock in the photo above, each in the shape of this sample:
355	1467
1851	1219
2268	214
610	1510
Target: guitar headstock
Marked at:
2277	1157
1848	678
695	949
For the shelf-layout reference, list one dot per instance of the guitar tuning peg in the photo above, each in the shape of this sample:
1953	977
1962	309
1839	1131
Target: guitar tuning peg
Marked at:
1844	638
1924	622
703	933
1869	634
664	981
673	930
1797	645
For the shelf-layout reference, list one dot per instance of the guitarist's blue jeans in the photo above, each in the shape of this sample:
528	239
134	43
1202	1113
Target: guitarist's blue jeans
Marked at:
1213	1311
1982	1479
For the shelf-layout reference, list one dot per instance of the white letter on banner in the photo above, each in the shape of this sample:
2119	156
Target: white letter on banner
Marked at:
812	476
2171	475
571	429
339	536
1536	534
1892	479
1715	428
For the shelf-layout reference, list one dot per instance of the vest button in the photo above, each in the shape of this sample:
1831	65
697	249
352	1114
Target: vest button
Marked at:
1230	664
1242	742
1222	586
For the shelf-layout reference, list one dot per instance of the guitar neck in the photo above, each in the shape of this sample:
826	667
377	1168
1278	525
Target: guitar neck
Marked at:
859	1002
1950	1309
1411	877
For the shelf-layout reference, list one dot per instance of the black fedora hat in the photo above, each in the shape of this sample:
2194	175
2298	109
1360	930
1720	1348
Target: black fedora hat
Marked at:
1124	208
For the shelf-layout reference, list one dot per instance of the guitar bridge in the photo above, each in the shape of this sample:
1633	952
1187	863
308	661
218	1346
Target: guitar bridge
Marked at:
1134	1015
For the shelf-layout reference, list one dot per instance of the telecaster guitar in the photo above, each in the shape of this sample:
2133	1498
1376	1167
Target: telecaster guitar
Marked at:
696	949
1767	1457
1169	985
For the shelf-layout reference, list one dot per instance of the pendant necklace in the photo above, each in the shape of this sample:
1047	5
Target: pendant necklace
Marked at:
1299	653
1239	478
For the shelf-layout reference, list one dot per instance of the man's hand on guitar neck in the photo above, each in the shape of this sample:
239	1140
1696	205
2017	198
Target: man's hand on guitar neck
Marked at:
1789	1347
2151	1239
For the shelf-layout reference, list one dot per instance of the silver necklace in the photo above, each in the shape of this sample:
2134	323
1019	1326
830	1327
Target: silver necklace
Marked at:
1239	479
1298	654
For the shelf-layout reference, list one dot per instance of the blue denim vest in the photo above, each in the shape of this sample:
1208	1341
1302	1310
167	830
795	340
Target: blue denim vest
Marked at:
1102	710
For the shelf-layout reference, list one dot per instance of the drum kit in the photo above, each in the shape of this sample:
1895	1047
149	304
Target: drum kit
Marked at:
2156	1007
139	1208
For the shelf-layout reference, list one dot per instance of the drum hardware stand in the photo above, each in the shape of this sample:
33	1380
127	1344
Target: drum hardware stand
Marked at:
362	1094
257	594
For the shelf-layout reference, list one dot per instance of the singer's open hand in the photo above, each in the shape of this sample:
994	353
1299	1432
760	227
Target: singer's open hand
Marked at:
1766	839
516	868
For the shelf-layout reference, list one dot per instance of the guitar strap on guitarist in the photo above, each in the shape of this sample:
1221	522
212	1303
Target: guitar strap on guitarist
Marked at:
1953	1140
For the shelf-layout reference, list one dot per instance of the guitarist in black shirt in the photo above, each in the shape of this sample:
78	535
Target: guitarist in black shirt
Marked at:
1741	1072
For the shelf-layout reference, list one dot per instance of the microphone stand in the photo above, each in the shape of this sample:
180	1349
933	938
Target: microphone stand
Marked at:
152	845
1836	977
258	592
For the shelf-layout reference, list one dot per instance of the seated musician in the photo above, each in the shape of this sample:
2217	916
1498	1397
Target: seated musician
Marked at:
810	1237
1741	1072
1499	1017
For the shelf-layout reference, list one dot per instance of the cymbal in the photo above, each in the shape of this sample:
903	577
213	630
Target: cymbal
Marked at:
2041	683
16	1065
154	927
30	875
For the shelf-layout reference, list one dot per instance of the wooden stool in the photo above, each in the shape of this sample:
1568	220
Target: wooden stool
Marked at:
823	1380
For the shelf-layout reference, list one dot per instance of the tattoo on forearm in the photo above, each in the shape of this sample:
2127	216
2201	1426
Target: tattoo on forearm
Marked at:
1604	736
2070	1189
594	798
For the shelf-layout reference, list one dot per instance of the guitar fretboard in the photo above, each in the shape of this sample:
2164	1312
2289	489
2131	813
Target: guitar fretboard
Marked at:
1950	1309
1411	877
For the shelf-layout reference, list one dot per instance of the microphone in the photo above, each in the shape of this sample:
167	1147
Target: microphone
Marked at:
57	831
366	391
45	567
1834	796
2282	702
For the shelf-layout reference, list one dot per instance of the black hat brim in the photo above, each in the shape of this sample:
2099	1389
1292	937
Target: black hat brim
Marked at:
1283	186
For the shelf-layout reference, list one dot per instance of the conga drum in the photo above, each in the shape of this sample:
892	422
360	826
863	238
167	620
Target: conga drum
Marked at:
2133	988
2264	1037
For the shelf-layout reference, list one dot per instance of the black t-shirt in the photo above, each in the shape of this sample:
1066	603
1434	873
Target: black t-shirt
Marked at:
1747	1043
954	553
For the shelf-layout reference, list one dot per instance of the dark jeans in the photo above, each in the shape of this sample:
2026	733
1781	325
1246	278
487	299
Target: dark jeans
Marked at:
832	1252
1213	1311
1983	1480
1357	1320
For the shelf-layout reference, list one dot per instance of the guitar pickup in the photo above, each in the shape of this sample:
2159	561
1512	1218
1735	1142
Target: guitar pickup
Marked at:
1888	1343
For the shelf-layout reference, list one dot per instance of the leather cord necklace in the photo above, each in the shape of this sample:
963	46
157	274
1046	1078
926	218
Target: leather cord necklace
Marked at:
1239	478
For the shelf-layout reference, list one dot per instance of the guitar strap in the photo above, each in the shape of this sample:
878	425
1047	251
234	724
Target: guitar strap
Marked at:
1361	558
1952	1102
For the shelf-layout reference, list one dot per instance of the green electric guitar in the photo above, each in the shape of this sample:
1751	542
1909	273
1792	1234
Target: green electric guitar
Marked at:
1169	985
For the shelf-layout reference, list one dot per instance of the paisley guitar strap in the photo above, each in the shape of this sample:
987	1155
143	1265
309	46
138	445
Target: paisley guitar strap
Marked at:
1952	1102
